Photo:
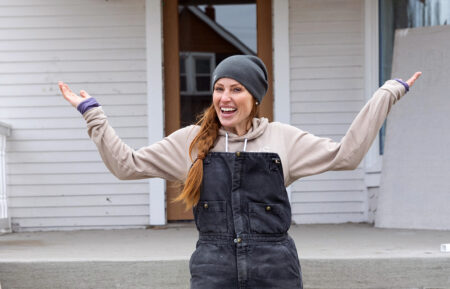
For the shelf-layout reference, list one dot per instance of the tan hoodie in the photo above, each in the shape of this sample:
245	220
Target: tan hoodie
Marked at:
302	154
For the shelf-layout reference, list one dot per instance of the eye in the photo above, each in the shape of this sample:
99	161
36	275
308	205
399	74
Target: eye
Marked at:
237	89
218	88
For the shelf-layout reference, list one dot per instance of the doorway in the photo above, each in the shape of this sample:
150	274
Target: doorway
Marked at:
198	34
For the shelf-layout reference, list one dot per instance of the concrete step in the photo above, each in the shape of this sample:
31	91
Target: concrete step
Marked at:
325	274
346	256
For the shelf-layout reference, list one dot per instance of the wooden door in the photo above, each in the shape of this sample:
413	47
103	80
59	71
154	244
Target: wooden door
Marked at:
174	14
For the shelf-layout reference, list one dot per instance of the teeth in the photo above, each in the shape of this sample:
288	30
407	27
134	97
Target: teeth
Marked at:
228	109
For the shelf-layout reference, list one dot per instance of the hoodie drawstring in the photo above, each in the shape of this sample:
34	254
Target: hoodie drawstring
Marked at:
226	143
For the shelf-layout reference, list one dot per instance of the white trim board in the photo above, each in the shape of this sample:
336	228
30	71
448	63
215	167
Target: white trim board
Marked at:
373	160
281	67
155	104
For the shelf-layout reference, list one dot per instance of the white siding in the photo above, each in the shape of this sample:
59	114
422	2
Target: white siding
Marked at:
327	91
55	177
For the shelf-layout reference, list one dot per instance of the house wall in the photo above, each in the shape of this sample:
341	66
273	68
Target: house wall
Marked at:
55	177
327	92
414	188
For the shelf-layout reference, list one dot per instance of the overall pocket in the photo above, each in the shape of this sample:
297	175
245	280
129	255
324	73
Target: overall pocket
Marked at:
268	218
211	216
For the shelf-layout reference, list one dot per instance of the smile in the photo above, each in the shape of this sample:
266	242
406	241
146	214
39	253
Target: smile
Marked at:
227	109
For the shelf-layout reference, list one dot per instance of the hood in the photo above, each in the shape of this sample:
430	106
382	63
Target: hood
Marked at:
259	125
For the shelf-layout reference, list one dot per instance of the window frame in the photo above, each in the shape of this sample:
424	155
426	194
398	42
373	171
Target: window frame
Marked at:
191	74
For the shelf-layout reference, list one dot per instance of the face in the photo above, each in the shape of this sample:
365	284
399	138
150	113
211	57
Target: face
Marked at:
233	104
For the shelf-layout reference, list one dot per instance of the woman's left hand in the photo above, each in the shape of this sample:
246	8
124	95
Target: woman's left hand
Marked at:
413	78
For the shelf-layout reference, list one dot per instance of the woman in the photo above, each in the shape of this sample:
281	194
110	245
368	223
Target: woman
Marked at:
235	168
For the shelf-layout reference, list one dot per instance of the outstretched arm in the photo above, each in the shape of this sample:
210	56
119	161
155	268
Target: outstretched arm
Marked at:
309	154
166	159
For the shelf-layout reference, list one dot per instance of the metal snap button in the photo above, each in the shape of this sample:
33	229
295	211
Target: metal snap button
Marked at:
268	208
205	205
238	154
237	240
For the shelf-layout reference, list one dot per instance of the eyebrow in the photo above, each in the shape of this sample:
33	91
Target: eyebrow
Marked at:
233	85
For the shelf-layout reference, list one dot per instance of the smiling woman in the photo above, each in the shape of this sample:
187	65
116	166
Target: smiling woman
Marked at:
235	101
233	104
236	168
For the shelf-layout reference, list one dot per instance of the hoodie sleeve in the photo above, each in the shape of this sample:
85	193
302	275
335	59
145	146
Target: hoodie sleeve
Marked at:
309	154
167	159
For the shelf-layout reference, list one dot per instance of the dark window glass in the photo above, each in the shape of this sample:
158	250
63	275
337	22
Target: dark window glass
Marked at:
182	65
183	86
202	66
203	83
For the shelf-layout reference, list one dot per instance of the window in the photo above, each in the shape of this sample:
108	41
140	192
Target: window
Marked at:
195	73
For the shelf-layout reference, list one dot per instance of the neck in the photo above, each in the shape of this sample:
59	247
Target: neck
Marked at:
239	130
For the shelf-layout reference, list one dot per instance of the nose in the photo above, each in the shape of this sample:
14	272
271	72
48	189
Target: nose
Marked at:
226	96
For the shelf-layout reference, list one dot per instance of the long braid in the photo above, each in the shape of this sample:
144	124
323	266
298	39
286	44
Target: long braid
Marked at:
203	142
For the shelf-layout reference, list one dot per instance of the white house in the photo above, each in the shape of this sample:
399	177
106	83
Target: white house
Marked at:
323	56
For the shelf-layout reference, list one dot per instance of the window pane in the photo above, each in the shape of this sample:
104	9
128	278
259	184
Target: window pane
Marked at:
239	20
183	83
202	65
203	83
182	65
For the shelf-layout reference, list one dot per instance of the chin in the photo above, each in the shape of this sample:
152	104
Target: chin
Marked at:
226	123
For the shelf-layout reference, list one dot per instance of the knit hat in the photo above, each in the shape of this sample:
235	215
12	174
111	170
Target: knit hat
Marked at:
248	70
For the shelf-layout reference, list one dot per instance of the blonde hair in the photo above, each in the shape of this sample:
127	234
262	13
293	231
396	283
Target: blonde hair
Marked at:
203	142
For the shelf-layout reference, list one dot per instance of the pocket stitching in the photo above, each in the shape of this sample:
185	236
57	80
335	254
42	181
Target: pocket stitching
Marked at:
255	209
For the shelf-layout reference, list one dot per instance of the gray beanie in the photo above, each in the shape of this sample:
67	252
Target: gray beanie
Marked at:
248	70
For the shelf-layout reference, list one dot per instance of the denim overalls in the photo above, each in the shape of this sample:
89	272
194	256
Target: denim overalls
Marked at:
243	217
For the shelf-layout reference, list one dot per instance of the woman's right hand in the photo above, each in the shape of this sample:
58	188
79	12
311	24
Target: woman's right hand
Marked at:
71	97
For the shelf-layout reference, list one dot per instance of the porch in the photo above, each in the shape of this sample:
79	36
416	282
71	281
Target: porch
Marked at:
332	256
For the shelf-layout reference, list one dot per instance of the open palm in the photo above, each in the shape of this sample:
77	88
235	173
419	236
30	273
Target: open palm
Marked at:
72	97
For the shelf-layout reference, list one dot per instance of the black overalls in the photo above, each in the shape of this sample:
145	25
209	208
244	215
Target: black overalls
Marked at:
243	217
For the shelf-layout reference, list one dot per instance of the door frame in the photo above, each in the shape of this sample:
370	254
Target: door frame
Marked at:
171	65
281	88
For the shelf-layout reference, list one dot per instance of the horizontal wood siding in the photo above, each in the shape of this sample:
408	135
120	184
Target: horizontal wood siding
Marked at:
55	176
327	84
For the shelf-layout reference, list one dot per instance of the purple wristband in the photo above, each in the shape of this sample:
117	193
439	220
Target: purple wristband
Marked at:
87	104
404	84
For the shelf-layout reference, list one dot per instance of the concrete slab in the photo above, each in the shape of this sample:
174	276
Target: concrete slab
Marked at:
332	256
177	242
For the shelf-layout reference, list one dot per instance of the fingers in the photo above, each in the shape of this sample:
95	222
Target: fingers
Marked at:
65	90
84	94
414	78
67	93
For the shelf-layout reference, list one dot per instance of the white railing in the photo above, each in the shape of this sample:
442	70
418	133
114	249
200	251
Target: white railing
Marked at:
5	131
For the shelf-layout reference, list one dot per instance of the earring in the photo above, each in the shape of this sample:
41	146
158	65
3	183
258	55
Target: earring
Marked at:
257	103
